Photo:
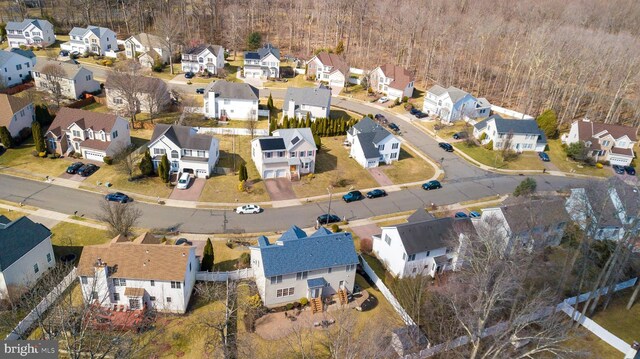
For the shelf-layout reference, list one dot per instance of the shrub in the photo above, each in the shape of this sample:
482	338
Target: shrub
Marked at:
366	245
405	99
526	188
304	301
483	136
107	63
289	306
489	145
241	187
335	228
249	321
599	165
229	244
254	301
108	160
42	154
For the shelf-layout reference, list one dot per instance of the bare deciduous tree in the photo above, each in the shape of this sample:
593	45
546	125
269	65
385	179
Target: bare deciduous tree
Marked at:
156	96
126	160
169	29
54	75
125	84
120	217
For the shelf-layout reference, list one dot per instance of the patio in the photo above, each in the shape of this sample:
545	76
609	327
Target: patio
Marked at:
117	318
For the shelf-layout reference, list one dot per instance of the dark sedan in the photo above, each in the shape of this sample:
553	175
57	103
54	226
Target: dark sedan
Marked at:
327	219
353	196
74	167
618	169
189	75
445	146
630	170
461	215
87	170
200	91
117	197
414	111
431	185
376	193
394	127
420	114
543	156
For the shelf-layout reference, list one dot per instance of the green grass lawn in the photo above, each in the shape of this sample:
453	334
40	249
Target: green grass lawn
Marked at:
166	72
22	160
409	168
525	161
70	238
225	257
584	341
618	320
559	158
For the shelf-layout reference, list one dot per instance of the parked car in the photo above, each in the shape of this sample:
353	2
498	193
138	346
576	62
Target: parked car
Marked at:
431	185
445	146
64	53
421	114
75	53
376	193
249	209
630	170
117	197
394	127
353	196
327	219
74	167
383	99
461	215
183	181
474	214
380	117
460	135
543	156
618	169
182	241
87	170
189	75
200	91
414	111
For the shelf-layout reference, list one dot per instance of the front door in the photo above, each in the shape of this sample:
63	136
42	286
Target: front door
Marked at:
134	303
315	292
175	165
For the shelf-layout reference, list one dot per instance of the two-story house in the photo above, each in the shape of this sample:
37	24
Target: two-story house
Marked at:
201	58
146	48
329	68
186	149
72	80
298	102
30	32
15	67
226	100
453	104
25	254
139	274
371	144
393	81
152	95
289	153
92	134
16	113
604	141
262	63
92	39
422	246
522	135
300	266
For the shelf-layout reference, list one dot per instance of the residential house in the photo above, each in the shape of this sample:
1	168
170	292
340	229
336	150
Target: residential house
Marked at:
25	254
262	63
452	104
146	48
203	58
288	153
298	102
76	81
139	274
92	134
187	150
300	266
15	67
394	81
226	100
523	135
16	113
152	96
30	32
329	68
423	246
604	141
92	39
371	144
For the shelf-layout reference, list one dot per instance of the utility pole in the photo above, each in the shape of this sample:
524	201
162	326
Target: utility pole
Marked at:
329	189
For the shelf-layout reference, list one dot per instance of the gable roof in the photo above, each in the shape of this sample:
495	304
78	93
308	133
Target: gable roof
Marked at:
70	69
5	56
510	125
144	82
182	136
4	219
322	231
365	125
456	94
96	30
437	90
420	215
198	49
85	119
401	76
26	53
289	134
149	40
588	129
307	254
367	142
311	96
369	134
262	52
233	90
524	216
336	61
431	234
9	105
293	233
19	237
21	25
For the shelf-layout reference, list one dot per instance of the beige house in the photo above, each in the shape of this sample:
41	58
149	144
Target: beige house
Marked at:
75	81
152	96
605	141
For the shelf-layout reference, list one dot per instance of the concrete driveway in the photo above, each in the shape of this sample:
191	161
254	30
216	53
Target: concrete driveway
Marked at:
255	82
280	189
380	177
192	193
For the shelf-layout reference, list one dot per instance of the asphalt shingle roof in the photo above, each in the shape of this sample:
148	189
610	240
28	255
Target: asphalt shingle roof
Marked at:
587	129
262	52
85	119
316	96
197	50
293	233
9	105
367	144
431	234
182	136
288	134
420	215
21	25
401	76
515	126
19	237
232	90
70	69
523	217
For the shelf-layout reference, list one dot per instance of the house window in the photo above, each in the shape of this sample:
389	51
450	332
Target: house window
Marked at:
293	154
395	146
152	298
329	270
168	299
200	60
83	280
76	133
280	153
428	253
200	153
114	134
387	239
351	267
302	275
380	147
18	67
285	292
394	155
448	250
188	152
88	77
277	279
176	285
267	155
49	257
605	143
116	297
413	270
159	151
310	153
174	154
35	268
94	295
412	257
117	101
153	283
227	101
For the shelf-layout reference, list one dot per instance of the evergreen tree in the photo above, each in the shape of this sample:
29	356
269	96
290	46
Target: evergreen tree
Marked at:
340	47
242	173
285	122
308	121
270	103
38	139
246	173
254	40
526	188
207	257
548	122
317	140
272	127
5	137
146	164
164	168
42	115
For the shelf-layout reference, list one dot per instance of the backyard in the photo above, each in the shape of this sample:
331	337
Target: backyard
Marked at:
69	238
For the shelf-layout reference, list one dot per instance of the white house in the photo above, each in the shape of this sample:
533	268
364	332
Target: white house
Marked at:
16	113
186	150
139	274
263	63
371	144
289	153
329	68
298	102
92	134
15	67
30	32
605	141
25	254
76	79
393	81
93	39
152	94
524	135
300	266
226	100
203	58
146	48
426	246
452	104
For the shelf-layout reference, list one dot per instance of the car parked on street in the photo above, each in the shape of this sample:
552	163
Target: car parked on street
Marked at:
383	99
64	53
474	214
353	196
544	157
249	209
74	167
189	75
618	169
431	185
394	127
445	146
200	91
87	170
414	111
327	219
460	135
380	118
630	170
117	197
183	181
461	215
376	193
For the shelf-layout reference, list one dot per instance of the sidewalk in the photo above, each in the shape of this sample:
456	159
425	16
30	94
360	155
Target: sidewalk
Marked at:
57	216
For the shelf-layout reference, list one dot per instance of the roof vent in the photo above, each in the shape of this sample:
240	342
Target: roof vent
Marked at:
146	251
183	254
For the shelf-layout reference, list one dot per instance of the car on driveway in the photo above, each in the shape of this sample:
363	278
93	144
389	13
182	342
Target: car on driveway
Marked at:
64	53
327	219
200	91
74	167
249	209
414	111
394	127
461	215
117	197
474	214
376	193
445	146
543	156
420	114
618	169
431	185
183	181
630	170
87	170
189	75
353	196
383	99
459	135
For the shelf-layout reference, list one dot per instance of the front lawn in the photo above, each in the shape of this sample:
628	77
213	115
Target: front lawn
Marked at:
559	158
69	238
22	160
525	161
335	168
409	168
297	81
150	186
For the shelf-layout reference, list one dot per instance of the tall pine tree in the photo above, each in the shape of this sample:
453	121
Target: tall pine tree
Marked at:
164	168
207	257
5	137
146	164
38	138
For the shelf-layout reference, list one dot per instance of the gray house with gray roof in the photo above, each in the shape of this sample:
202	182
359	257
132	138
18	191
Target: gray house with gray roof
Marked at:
262	63
300	102
289	153
522	135
93	39
226	100
452	104
371	144
301	266
25	254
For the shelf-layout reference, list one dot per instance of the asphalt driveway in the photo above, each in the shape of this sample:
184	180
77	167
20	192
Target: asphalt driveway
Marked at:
192	193
280	189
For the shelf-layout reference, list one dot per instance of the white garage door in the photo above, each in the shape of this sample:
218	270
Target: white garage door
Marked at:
269	174
201	173
281	173
95	156
619	161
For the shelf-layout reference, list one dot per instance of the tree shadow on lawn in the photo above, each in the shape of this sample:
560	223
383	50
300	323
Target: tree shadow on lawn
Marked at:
227	160
325	161
339	114
404	155
138	141
60	251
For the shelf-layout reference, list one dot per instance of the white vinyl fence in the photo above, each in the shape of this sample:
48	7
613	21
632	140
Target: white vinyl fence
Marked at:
511	113
27	322
387	293
224	276
232	131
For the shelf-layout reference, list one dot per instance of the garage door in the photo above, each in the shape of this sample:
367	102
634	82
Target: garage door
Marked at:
201	173
619	161
94	156
281	173
269	174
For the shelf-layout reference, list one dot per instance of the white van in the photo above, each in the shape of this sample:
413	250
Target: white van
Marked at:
183	182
